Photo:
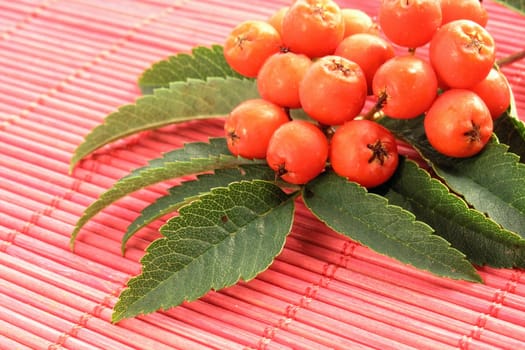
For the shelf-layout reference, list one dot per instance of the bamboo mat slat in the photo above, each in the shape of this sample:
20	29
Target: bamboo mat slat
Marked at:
65	65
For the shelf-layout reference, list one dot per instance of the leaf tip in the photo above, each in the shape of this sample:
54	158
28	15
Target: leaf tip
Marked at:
74	234
475	278
123	248
116	317
72	243
71	168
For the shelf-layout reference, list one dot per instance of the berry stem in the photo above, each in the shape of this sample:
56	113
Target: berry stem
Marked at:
374	112
511	58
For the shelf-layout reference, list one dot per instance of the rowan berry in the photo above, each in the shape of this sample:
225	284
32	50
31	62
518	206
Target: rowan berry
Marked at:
313	27
405	86
279	78
462	53
410	23
365	152
333	90
369	51
250	125
298	151
464	9
458	124
494	90
248	46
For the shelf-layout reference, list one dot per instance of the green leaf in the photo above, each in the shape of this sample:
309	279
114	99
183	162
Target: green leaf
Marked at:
193	158
510	130
299	113
387	229
188	191
182	101
202	63
480	238
493	181
229	234
516	5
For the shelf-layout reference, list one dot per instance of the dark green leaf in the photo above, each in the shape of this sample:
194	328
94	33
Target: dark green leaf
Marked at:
182	101
191	190
202	63
468	230
229	234
194	158
516	5
493	181
387	229
299	113
510	130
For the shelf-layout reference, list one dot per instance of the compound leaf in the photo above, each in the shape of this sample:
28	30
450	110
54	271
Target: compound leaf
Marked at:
193	158
387	229
188	191
202	63
182	101
232	233
480	238
493	181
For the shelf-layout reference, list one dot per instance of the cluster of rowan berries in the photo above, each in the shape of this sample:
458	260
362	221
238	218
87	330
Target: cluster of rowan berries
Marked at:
330	61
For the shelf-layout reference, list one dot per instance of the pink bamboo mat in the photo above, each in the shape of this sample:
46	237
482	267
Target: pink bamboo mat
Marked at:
66	64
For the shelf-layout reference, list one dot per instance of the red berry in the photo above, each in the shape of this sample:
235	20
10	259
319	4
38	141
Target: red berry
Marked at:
462	53
406	86
313	27
298	151
365	152
279	78
333	90
464	9
458	124
494	90
276	19
410	23
250	125
249	45
357	21
369	51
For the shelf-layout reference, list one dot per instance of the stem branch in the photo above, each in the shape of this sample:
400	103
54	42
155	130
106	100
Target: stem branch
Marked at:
378	106
511	58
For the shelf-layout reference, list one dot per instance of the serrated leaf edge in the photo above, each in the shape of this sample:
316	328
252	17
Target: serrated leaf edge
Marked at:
102	202
118	316
85	148
474	276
